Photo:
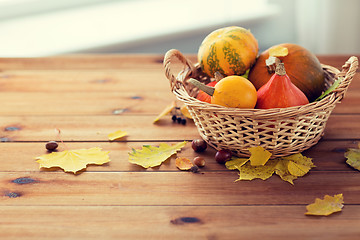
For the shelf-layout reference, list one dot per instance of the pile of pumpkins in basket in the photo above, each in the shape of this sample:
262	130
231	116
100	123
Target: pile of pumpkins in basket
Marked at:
284	75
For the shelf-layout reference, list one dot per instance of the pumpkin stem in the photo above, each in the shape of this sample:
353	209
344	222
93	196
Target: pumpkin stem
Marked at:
207	89
280	69
218	76
271	63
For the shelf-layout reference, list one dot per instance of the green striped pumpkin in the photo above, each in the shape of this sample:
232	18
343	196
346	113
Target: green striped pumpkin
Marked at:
230	51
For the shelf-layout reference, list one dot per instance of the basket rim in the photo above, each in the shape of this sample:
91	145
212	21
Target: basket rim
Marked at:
179	90
327	101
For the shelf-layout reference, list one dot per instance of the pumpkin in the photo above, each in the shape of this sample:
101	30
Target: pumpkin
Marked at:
230	51
203	96
302	67
231	91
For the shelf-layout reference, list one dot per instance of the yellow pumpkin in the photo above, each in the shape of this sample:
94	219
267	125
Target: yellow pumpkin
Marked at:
230	51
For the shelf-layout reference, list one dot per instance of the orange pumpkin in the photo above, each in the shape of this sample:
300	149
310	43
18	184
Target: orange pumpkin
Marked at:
203	96
229	51
302	67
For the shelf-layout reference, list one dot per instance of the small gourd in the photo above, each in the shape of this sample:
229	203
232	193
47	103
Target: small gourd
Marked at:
229	50
231	91
280	92
203	96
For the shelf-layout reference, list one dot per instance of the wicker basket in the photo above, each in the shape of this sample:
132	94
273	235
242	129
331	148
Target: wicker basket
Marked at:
282	131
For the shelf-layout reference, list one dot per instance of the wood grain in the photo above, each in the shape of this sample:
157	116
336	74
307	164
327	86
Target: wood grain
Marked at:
175	222
171	188
97	128
89	96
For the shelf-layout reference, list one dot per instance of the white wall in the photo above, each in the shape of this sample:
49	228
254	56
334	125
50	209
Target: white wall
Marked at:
322	26
155	26
329	26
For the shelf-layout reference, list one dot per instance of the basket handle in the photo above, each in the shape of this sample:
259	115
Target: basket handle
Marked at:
169	56
347	73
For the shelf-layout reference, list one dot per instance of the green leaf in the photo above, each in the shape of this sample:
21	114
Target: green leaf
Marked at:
330	89
151	156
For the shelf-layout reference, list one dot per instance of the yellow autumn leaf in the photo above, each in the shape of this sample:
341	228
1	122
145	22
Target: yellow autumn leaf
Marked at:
352	156
184	110
165	112
259	156
249	172
183	163
117	135
297	170
278	51
282	171
151	156
291	167
326	206
73	160
235	163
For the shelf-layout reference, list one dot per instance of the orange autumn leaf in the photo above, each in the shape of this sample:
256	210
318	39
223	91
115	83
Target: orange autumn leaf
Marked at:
183	163
326	206
73	160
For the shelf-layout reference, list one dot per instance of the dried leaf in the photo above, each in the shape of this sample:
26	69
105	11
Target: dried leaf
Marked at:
288	168
299	165
165	112
236	163
283	172
326	206
278	51
184	110
183	163
249	172
291	167
353	157
74	160
150	156
259	156
117	135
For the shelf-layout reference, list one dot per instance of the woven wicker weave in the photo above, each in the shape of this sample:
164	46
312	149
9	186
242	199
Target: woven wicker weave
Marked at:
282	131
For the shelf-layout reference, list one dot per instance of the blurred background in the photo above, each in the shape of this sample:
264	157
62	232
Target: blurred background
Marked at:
35	28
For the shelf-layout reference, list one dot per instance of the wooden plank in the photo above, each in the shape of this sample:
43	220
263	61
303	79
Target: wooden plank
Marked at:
175	222
83	62
104	103
19	157
174	188
91	128
139	128
83	103
109	80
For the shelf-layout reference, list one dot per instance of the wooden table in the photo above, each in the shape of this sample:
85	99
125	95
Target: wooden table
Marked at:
88	97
